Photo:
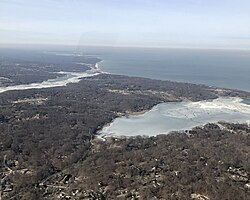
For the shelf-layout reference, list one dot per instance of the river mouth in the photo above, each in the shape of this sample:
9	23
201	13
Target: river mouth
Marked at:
179	116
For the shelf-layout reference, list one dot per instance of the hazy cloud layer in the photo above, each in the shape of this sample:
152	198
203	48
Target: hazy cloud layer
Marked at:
191	23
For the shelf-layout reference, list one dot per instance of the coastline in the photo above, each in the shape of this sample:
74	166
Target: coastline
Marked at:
128	114
75	77
98	68
71	77
229	109
68	122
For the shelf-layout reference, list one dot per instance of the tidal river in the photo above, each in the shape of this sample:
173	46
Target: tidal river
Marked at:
69	77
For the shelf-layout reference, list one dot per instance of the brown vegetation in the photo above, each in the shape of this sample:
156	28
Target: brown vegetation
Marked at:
47	149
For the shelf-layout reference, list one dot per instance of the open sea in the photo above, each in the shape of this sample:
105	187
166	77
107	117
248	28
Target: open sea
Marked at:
222	68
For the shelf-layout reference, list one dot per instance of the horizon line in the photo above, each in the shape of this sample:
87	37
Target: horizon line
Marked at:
37	45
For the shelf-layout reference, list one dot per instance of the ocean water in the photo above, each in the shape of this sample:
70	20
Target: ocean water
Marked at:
222	68
229	69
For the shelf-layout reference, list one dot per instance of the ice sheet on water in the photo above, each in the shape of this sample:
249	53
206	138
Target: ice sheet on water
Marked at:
167	117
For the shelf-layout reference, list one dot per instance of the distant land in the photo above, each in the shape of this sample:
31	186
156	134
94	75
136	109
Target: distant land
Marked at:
218	67
49	147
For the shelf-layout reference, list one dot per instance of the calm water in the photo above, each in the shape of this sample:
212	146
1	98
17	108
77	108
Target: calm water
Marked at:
229	69
223	68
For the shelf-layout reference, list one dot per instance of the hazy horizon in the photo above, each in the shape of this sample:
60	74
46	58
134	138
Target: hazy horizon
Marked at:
195	24
79	47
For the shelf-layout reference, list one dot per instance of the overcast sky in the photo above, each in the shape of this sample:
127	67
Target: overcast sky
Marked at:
161	23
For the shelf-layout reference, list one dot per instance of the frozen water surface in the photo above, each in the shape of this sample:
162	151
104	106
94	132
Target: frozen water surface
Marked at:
167	117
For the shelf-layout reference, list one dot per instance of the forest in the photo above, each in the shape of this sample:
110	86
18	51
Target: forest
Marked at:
49	149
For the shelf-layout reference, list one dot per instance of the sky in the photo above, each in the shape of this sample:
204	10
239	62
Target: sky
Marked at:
143	23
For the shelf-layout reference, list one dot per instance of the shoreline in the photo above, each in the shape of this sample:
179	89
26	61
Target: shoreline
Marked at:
111	129
75	77
185	82
71	77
